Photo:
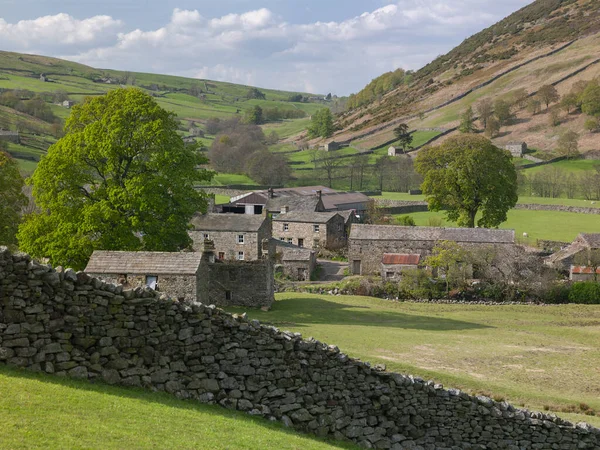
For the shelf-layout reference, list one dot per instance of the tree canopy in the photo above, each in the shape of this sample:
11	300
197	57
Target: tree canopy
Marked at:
404	136
12	199
465	175
120	179
321	124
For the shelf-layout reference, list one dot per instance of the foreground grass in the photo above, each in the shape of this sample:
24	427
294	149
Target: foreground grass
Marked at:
47	412
543	357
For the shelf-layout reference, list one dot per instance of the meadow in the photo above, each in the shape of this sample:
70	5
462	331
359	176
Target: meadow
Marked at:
39	411
539	357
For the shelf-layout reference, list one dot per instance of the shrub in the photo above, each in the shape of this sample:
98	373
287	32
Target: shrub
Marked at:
556	294
586	292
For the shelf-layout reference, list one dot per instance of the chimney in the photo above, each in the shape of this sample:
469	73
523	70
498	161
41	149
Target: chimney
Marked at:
271	192
319	194
285	209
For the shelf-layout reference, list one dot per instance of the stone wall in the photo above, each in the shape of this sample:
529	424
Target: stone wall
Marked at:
70	324
559	208
181	287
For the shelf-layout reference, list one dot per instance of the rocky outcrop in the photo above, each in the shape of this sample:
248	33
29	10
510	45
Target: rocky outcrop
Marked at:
70	324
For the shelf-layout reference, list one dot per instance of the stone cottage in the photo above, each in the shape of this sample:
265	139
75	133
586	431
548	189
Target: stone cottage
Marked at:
296	263
368	243
172	273
393	264
235	236
574	253
516	149
311	230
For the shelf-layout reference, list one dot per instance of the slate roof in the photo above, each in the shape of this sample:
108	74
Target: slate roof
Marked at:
339	199
296	203
592	239
397	233
144	263
305	217
291	252
401	259
228	222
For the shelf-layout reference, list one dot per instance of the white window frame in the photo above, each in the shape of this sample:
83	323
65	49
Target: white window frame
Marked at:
316	228
240	256
206	236
241	238
286	227
290	240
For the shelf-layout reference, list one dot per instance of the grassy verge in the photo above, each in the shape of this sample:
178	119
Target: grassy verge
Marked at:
543	357
43	412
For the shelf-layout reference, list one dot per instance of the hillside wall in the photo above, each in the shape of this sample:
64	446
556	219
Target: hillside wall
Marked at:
69	324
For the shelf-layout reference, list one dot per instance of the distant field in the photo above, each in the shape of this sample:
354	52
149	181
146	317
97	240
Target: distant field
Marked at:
574	166
286	128
49	412
529	355
550	225
231	178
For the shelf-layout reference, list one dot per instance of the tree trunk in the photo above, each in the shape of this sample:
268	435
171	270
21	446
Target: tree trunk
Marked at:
472	215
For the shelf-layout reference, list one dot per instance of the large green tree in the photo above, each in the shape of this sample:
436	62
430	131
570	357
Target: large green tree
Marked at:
404	136
321	124
465	175
12	199
120	179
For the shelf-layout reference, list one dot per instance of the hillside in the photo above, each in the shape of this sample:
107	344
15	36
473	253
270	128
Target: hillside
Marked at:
547	42
193	100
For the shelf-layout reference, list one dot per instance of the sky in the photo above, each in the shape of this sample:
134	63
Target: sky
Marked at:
316	46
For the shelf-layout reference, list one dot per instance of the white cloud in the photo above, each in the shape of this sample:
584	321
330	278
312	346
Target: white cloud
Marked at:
258	47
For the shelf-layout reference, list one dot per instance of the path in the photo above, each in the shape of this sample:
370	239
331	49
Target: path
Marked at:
331	270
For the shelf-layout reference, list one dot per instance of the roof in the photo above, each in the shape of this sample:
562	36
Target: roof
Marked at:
296	203
304	191
306	217
228	222
583	270
398	233
253	198
144	263
339	199
401	259
291	252
347	214
592	239
515	143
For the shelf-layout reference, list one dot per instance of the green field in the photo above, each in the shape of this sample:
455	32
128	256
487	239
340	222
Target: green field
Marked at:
225	179
571	166
48	412
543	357
549	225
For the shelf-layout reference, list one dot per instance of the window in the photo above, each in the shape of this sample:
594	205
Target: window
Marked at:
300	242
282	239
316	228
290	240
221	256
286	227
316	243
152	282
240	239
227	295
122	279
240	256
206	236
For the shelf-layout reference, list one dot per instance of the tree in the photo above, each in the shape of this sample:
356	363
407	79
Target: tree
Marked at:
590	99
452	260
268	168
592	125
12	199
569	102
548	94
360	163
330	167
466	121
120	179
485	109
321	124
328	97
255	94
568	144
534	106
502	111
381	167
465	175
519	97
406	221
254	115
554	118
404	136
493	127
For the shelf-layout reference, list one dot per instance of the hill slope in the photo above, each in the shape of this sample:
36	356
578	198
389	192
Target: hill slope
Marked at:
549	41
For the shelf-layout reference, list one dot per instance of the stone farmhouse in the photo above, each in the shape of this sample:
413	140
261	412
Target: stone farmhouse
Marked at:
566	257
369	243
294	262
235	236
311	230
393	264
190	276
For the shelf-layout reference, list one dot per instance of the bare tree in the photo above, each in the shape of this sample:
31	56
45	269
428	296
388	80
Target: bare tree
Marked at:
330	167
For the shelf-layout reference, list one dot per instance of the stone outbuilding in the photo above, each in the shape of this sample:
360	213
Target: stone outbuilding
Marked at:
296	263
568	256
331	146
584	273
311	230
395	151
368	243
235	236
393	264
516	149
173	273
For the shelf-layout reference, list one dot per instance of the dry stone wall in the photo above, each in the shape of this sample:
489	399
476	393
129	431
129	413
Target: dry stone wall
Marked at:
70	324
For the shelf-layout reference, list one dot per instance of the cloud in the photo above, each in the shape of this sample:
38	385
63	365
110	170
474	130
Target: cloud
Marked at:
261	48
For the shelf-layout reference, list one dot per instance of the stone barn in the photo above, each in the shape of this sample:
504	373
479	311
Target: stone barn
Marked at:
172	273
332	146
393	264
369	243
572	254
394	151
516	149
295	263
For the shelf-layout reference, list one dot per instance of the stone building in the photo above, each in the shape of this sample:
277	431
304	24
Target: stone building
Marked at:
583	273
368	243
311	230
393	264
394	151
572	254
296	263
235	236
331	146
516	149
172	273
68	103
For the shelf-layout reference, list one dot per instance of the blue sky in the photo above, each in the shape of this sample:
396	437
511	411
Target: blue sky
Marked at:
315	46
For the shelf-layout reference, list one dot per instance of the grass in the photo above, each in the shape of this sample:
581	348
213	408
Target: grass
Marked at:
549	225
540	357
221	199
570	166
224	179
287	128
47	412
